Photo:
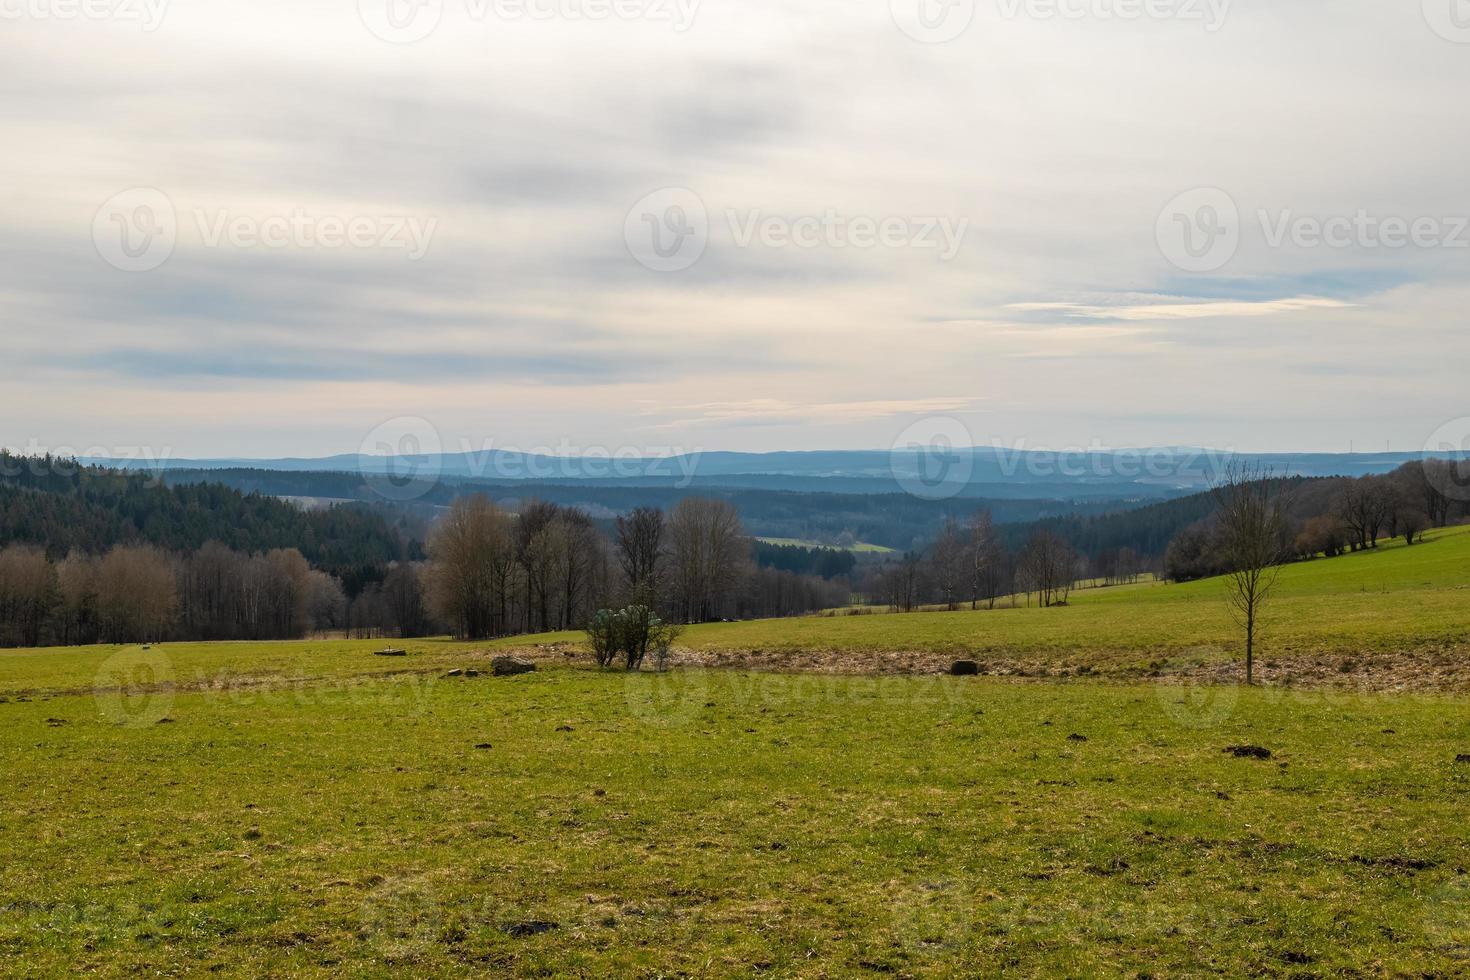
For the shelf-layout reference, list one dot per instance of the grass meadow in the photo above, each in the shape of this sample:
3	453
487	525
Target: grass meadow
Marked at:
312	809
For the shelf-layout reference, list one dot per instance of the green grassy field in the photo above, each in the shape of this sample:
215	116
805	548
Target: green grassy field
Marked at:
1375	601
722	823
309	808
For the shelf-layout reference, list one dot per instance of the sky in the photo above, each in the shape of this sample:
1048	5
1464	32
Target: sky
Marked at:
274	228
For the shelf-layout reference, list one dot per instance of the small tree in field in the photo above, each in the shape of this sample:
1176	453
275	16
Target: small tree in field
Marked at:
1251	523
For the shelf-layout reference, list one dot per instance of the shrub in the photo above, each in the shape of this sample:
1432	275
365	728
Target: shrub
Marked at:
632	632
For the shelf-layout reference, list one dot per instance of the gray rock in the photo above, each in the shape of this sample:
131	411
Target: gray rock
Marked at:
508	666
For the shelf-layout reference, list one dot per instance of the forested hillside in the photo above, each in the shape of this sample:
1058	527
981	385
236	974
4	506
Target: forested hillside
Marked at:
63	507
895	520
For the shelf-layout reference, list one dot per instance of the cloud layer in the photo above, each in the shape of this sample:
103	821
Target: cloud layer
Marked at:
821	144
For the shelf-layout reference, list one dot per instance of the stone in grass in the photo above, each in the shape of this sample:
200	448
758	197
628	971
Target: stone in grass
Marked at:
463	672
391	652
964	668
1074	737
509	666
1247	751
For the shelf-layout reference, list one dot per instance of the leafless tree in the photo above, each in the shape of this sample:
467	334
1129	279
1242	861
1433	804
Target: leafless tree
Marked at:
1365	506
539	544
708	553
29	592
77	577
137	594
640	549
580	551
1411	523
1048	566
328	602
1435	479
404	604
951	564
463	551
903	583
984	556
1251	525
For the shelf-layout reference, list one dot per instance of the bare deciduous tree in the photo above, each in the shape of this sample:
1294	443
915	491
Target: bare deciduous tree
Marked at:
137	594
464	549
1251	525
640	549
1048	566
984	557
708	551
28	593
950	563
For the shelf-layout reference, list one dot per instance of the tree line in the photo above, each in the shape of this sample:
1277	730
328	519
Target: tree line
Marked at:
492	572
1333	516
488	572
970	564
138	593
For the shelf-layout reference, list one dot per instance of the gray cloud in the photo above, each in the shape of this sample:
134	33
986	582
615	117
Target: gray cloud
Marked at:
1057	141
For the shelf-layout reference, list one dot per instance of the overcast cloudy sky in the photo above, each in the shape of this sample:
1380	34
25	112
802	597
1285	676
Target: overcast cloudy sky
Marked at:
732	224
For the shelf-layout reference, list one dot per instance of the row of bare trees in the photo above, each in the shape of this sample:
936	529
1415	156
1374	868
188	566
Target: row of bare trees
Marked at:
968	565
491	572
139	593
